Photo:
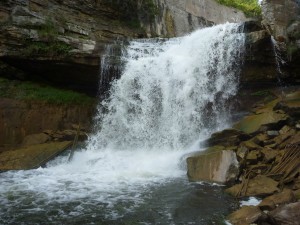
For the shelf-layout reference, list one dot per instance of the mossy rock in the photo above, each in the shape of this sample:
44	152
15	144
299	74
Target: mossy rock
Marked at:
251	124
32	156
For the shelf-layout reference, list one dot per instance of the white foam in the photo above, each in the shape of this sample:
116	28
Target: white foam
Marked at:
251	201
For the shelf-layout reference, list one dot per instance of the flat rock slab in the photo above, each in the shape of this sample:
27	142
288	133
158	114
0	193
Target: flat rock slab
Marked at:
258	186
251	124
32	156
245	215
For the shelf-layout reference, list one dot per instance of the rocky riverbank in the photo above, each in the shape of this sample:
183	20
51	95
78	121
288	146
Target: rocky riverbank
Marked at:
259	157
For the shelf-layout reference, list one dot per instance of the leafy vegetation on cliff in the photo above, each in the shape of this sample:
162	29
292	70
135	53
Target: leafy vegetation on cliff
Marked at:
249	7
24	90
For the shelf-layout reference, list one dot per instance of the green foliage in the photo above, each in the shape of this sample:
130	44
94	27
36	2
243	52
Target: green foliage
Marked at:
249	7
51	49
48	31
24	90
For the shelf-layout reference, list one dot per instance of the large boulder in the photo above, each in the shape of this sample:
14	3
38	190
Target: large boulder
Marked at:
220	166
286	214
31	157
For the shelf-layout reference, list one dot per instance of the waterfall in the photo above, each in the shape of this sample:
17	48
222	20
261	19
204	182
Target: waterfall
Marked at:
172	92
279	62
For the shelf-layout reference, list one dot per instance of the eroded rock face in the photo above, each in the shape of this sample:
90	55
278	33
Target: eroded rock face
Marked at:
179	17
60	41
220	166
20	119
63	42
281	19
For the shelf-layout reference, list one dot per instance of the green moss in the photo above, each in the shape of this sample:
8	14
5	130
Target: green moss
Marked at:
251	8
48	31
24	90
47	48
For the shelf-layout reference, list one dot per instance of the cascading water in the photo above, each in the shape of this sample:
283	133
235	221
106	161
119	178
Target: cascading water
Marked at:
279	61
171	94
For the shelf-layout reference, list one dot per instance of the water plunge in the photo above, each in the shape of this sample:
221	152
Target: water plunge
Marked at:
171	94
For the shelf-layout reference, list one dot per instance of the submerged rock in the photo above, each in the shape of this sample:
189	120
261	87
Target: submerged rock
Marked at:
32	156
219	166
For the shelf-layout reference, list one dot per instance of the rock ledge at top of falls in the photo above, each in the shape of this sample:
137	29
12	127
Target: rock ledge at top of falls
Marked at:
63	42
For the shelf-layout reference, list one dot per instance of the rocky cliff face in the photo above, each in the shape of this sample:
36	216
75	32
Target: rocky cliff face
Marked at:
177	18
20	119
59	41
63	41
282	20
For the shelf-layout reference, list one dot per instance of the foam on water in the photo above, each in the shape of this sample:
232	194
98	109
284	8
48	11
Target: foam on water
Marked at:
171	94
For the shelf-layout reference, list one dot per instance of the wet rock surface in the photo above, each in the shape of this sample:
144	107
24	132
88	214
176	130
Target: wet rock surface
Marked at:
31	157
20	119
269	161
219	166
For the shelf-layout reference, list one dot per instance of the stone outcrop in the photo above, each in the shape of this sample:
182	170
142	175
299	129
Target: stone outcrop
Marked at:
179	17
269	163
31	157
282	20
60	41
20	119
64	42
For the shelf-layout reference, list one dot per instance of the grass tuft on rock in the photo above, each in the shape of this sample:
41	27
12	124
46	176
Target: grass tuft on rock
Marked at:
251	8
25	90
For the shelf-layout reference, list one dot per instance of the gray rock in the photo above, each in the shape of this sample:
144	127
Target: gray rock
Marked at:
272	133
286	214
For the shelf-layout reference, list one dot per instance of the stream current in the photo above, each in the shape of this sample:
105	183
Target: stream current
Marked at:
172	94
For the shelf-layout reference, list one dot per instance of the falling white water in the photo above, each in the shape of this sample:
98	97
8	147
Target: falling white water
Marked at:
171	94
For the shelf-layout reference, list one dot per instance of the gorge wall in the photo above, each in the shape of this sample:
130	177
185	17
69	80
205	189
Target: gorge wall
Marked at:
282	20
62	41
